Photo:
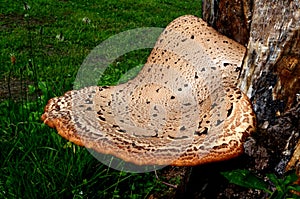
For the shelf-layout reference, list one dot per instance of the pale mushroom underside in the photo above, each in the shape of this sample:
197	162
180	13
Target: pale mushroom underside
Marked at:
183	108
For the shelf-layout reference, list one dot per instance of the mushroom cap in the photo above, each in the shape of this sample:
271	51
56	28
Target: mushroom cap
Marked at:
183	108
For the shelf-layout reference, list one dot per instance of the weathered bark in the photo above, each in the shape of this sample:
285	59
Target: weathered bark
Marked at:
232	18
271	31
271	73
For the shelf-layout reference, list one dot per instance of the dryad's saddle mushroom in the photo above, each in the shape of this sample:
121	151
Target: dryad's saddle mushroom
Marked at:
183	108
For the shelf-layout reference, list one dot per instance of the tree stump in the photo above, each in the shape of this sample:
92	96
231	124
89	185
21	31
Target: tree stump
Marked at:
270	76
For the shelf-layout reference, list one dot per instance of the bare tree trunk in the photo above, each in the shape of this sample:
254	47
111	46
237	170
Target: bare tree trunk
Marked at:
271	31
232	18
270	76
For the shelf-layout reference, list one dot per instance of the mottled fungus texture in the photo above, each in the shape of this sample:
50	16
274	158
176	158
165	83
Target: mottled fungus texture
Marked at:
183	108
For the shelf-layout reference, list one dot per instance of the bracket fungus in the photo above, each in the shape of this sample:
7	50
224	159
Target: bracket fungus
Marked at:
183	108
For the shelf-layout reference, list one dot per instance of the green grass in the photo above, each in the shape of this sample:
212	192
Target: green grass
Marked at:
282	187
35	161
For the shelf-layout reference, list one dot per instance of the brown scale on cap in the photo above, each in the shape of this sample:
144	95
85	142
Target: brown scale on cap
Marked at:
183	108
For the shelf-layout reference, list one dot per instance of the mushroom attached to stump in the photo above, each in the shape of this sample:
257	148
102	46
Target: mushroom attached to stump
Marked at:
183	108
